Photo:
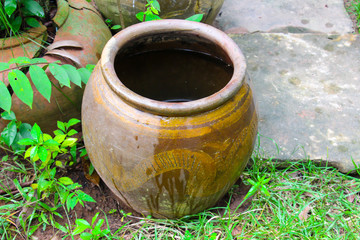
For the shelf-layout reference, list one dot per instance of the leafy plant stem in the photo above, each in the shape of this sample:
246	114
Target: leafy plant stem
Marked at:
22	66
6	149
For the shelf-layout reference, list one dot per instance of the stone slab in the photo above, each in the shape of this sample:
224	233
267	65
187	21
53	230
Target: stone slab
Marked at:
327	16
307	89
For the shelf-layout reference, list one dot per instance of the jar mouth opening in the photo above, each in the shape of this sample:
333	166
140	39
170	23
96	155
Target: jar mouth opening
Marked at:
173	67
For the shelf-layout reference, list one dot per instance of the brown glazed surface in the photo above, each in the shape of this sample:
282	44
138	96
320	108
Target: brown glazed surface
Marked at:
77	21
169	159
123	12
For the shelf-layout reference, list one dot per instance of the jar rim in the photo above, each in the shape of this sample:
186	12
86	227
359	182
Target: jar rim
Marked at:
173	108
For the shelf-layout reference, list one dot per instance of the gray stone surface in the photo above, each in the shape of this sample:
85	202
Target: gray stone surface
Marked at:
328	16
307	89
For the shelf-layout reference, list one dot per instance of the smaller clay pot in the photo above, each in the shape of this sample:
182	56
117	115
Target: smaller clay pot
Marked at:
78	21
124	12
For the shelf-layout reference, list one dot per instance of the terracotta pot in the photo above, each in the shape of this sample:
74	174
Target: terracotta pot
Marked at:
77	21
123	12
169	159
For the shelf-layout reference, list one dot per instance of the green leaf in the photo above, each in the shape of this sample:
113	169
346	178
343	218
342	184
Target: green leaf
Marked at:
152	17
58	132
27	141
140	16
41	81
18	186
85	74
60	74
71	201
66	180
68	142
155	4
154	10
73	74
5	97
61	126
34	8
116	27
90	67
265	191
72	122
4	66
9	133
21	86
94	218
10	7
20	60
82	223
72	132
36	133
8	115
44	184
32	22
99	223
73	152
86	236
28	151
16	23
42	153
85	197
51	143
25	130
33	152
80	229
195	18
83	152
60	138
60	227
38	60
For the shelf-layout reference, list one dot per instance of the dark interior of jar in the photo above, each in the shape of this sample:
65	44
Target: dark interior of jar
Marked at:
173	67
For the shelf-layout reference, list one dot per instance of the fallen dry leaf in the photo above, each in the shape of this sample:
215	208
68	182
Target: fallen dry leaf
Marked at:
237	230
304	213
351	198
296	175
329	218
307	194
94	177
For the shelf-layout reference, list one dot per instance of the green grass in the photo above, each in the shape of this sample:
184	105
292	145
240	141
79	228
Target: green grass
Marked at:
354	9
306	201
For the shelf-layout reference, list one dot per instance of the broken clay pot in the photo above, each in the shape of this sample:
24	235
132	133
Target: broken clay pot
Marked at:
176	148
77	22
124	12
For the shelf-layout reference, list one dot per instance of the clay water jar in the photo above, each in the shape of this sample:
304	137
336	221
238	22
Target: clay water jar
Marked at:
169	146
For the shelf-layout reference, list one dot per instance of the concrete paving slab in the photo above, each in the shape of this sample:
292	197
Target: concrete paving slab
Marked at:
327	16
307	89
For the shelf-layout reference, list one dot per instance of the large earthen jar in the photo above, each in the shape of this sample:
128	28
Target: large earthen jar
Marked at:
124	12
169	120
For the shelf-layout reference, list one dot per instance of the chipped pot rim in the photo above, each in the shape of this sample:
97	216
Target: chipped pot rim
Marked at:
173	108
